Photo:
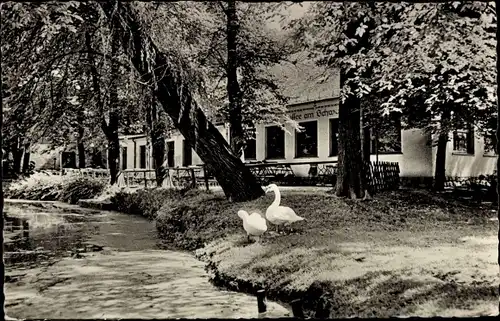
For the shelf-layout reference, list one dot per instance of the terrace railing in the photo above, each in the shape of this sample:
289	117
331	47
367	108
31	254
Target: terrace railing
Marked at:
87	172
174	177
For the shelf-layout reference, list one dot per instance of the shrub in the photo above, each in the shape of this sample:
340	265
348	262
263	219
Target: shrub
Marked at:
39	186
196	218
81	188
144	202
111	190
54	187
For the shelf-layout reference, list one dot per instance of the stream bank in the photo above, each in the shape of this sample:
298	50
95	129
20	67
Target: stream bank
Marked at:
64	261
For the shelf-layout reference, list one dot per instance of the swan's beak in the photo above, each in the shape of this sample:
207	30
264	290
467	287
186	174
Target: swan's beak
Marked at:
266	189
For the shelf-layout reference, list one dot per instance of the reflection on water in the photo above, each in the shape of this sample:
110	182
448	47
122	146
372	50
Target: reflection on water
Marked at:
133	280
32	233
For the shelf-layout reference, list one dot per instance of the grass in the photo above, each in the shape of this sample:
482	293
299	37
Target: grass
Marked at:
210	216
361	258
395	255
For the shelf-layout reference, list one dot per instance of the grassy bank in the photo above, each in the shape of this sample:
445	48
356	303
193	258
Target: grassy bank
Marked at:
404	253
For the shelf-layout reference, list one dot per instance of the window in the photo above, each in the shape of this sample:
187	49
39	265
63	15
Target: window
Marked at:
306	141
251	148
275	143
142	156
386	135
463	141
187	157
170	154
490	144
124	158
334	136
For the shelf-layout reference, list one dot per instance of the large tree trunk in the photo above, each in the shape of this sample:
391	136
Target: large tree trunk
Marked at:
175	95
110	130
498	140
233	88
365	150
81	155
350	173
157	140
440	170
114	116
79	141
26	159
2	264
17	154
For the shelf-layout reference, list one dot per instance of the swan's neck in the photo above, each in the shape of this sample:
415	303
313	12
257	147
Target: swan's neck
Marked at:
277	197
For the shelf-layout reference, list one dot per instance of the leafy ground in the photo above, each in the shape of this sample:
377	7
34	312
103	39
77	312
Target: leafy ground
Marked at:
405	253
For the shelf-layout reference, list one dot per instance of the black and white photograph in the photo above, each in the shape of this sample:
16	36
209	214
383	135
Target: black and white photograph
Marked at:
249	160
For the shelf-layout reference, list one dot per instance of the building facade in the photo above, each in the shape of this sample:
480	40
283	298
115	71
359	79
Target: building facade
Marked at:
467	154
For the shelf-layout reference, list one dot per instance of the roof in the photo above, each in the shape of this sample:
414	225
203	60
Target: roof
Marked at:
304	81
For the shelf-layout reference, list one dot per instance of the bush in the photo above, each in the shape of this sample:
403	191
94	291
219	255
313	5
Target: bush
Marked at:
144	202
39	186
81	188
196	218
111	190
54	187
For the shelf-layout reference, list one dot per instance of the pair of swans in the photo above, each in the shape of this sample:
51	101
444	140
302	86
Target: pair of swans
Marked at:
255	224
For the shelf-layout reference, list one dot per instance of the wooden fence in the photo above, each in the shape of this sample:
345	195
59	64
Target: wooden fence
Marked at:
383	176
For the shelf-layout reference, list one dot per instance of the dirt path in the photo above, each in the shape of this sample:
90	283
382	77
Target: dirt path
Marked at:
129	277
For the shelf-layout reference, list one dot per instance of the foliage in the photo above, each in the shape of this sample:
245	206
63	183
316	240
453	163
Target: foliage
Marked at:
48	89
194	220
39	186
46	186
81	188
413	58
111	190
197	33
143	202
179	221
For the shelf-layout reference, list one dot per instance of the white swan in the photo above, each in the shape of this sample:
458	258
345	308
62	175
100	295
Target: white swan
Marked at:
279	215
254	224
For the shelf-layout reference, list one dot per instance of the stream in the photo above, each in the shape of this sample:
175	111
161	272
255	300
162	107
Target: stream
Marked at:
64	261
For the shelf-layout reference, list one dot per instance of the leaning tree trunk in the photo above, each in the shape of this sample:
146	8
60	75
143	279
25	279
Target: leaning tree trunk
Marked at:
176	96
233	88
350	174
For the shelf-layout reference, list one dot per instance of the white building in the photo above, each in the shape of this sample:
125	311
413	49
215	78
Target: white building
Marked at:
412	149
